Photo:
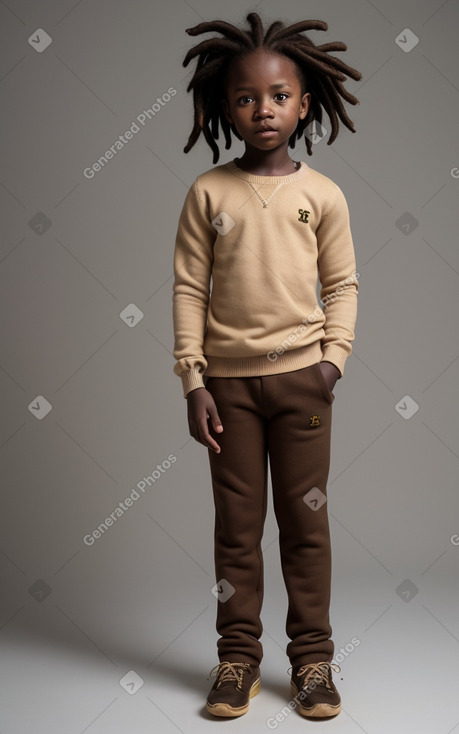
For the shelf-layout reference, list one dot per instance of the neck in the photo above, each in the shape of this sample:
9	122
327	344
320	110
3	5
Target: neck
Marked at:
266	163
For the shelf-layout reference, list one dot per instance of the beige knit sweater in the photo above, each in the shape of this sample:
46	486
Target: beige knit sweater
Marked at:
248	254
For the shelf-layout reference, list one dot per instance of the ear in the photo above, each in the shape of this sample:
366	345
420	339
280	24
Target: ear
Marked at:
304	105
225	106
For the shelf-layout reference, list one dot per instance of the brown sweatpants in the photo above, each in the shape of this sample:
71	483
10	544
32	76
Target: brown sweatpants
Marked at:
288	418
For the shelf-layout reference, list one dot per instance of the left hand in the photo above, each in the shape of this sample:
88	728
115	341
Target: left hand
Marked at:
330	372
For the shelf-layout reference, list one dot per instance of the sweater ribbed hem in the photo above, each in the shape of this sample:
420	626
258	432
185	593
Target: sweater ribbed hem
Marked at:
295	359
289	361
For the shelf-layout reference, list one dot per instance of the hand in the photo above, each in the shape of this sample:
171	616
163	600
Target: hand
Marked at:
201	406
331	373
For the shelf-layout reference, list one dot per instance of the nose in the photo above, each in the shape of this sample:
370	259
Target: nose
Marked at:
263	109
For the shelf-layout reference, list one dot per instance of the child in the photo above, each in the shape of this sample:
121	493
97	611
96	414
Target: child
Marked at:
257	356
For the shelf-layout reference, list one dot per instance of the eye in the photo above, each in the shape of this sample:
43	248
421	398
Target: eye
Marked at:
242	100
282	94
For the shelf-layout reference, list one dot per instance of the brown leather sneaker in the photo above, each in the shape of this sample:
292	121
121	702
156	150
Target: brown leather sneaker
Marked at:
235	685
317	695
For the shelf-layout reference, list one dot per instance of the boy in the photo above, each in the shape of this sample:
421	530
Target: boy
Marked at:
257	356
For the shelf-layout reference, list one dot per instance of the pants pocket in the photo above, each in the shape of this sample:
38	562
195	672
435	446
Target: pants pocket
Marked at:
321	382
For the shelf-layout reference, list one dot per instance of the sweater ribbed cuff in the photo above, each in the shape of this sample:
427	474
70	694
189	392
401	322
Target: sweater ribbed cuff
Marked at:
335	355
191	380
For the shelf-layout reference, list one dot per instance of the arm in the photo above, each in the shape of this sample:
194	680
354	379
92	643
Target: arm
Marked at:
339	286
193	258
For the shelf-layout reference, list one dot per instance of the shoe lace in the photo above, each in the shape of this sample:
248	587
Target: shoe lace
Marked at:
320	673
229	672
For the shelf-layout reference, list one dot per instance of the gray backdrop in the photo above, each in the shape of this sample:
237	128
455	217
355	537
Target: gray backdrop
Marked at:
113	631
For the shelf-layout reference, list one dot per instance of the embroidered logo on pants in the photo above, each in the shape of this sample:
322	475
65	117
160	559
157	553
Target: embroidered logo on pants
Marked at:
314	420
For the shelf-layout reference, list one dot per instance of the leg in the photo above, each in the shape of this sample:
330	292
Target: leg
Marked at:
239	481
299	449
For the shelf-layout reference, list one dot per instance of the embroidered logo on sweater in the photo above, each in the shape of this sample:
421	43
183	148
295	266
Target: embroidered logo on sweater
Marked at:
314	420
303	216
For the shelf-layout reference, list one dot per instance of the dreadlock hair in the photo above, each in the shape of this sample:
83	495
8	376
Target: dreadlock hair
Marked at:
324	74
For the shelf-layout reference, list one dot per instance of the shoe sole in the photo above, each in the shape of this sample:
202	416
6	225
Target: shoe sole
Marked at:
224	709
319	710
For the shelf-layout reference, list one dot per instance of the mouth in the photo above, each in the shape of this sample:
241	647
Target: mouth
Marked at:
266	131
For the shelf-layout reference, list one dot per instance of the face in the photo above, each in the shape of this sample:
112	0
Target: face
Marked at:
264	100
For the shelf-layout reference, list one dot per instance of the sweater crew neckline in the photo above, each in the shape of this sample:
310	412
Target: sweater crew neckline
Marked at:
256	179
